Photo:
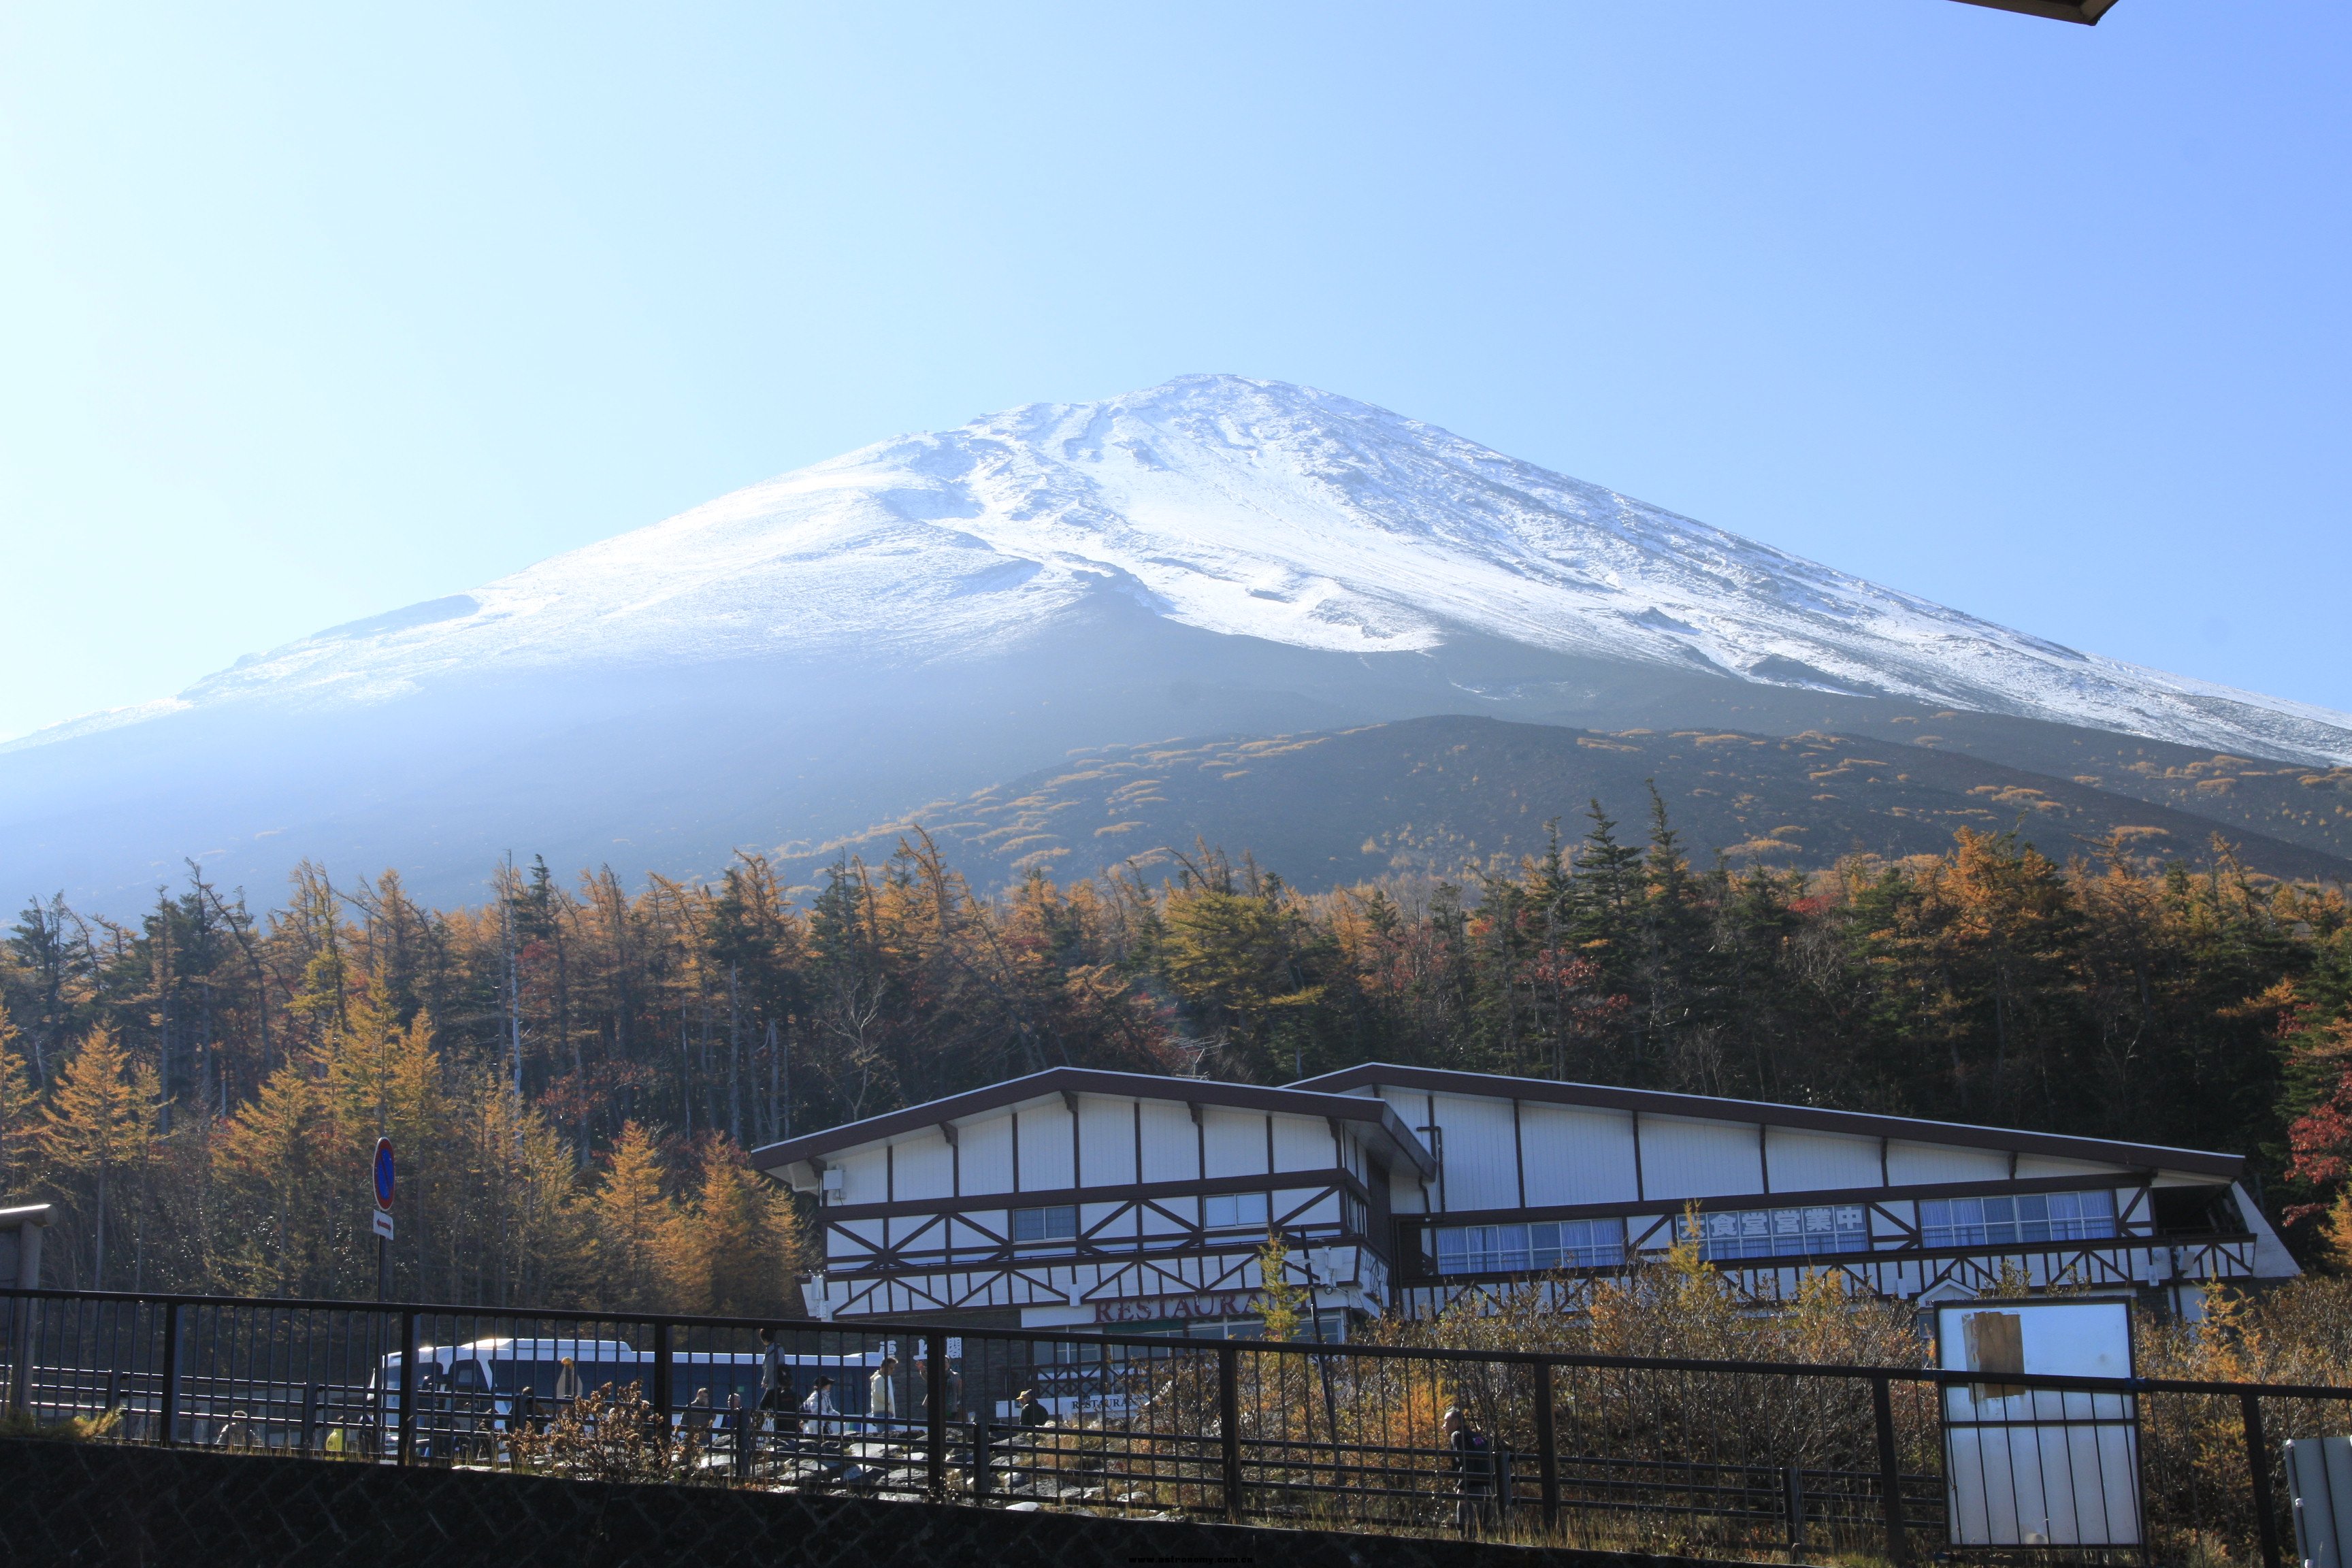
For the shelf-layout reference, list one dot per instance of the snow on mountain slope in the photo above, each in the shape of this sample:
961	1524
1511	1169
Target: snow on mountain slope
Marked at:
1248	508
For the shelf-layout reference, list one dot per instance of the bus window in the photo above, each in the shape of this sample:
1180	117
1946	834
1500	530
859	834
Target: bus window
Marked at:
525	1377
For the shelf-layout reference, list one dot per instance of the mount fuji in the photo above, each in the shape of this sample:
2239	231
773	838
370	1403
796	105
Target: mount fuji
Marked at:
792	663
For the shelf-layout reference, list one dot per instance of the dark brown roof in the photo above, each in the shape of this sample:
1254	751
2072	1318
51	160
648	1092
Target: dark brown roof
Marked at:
2087	12
1709	1107
1294	1100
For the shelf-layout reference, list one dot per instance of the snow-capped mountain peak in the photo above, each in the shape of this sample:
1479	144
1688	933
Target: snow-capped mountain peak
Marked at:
1247	508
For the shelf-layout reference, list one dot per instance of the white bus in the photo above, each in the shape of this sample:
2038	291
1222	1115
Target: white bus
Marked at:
483	1384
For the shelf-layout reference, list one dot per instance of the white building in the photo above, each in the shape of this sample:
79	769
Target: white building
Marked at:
1073	1197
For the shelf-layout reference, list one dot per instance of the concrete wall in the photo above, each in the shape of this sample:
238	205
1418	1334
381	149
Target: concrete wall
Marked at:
97	1506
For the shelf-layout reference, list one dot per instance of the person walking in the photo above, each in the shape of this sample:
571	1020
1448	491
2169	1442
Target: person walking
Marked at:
733	1423
952	1381
775	1373
699	1413
239	1434
567	1383
882	1396
820	1417
776	1396
1473	1472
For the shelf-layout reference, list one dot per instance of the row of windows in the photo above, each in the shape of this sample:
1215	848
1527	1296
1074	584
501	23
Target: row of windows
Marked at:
2036	1216
1059	1222
1810	1232
1814	1232
1523	1248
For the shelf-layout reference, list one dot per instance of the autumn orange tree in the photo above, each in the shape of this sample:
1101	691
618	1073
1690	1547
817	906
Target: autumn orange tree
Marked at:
574	1070
95	1134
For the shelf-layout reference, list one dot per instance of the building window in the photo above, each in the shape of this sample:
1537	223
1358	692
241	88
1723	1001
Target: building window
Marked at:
1527	1248
2009	1221
1783	1233
1057	1222
1233	1211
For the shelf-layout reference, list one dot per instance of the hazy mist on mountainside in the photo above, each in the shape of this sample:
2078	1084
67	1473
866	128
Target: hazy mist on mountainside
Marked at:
935	615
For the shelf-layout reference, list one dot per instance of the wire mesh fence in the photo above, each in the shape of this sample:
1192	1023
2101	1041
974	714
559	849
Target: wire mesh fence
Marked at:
1767	1461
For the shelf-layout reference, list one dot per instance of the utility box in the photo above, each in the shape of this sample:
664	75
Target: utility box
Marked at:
2319	1474
20	1269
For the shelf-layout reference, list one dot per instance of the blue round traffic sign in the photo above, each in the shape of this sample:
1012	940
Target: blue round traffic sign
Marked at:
383	1172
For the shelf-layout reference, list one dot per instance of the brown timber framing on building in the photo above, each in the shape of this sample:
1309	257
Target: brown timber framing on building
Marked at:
1066	1083
1097	1243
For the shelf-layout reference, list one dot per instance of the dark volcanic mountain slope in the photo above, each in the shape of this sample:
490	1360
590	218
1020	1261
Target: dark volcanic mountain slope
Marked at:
1445	795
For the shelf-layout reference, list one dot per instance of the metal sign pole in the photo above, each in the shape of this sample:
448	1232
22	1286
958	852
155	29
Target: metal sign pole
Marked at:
384	1172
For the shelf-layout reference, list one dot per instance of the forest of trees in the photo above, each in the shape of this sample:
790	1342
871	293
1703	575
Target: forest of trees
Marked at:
572	1071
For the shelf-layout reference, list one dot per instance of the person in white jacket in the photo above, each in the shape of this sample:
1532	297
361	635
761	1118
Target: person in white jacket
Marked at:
882	1394
820	1417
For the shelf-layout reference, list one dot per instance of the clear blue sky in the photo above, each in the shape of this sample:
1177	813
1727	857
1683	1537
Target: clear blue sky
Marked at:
312	311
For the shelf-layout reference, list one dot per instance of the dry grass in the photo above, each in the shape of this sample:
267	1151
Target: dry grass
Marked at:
610	1435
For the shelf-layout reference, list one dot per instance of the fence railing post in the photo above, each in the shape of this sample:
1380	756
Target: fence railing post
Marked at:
406	1452
1792	1503
2258	1468
1890	1470
311	1393
1229	1427
167	1402
1505	1483
661	1391
983	1463
1547	1445
21	1341
935	1411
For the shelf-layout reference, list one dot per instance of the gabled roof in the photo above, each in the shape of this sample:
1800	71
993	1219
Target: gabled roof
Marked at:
1376	1118
1753	1112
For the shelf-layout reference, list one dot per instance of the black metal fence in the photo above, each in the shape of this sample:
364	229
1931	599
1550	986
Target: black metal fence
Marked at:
1717	1459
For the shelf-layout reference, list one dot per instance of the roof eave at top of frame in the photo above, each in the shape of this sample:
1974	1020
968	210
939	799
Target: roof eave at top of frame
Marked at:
1755	1113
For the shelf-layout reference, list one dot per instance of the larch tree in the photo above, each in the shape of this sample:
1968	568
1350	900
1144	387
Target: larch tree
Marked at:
733	1251
99	1125
631	1218
19	1114
268	1172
